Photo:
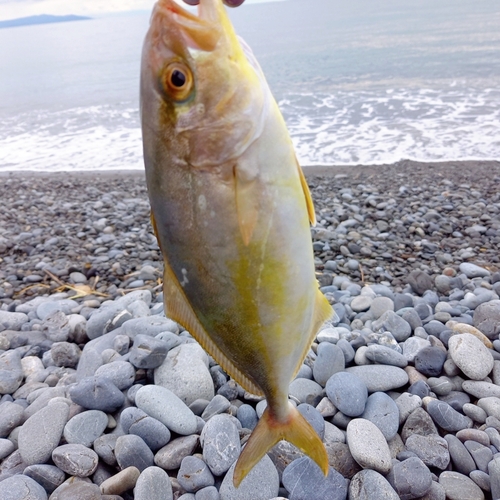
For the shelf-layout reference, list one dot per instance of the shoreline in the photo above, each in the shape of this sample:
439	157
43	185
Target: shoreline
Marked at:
447	166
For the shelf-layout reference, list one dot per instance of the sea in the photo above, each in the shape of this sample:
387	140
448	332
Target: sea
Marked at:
358	82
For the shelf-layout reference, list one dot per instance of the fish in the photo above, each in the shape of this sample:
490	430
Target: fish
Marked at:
231	210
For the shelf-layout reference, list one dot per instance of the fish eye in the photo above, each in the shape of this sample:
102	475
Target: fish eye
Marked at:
177	81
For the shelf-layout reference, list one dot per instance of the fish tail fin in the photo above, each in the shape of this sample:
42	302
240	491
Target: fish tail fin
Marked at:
269	431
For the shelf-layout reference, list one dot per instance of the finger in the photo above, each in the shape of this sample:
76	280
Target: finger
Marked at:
233	3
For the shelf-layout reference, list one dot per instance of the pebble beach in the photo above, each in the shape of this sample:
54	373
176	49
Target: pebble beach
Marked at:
104	397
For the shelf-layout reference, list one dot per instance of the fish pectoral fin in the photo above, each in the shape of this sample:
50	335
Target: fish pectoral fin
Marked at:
268	432
307	195
178	308
247	204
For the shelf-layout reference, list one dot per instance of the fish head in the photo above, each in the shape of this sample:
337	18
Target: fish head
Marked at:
203	95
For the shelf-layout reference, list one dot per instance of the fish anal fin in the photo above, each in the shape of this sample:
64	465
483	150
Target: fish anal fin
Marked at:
269	431
307	195
179	309
247	203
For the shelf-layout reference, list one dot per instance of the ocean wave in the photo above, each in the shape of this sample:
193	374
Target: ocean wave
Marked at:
345	127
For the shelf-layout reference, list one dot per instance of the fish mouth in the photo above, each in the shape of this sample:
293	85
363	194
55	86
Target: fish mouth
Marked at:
200	32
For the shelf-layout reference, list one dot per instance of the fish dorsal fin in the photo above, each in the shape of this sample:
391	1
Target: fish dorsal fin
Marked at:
307	195
247	202
178	309
323	311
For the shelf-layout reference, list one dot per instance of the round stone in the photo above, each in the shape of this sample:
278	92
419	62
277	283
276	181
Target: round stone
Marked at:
368	445
348	393
165	406
75	459
36	447
185	373
221	443
194	474
261	483
304	479
410	478
370	485
132	451
380	378
381	410
459	487
97	393
153	484
330	359
84	428
430	360
20	487
446	417
470	355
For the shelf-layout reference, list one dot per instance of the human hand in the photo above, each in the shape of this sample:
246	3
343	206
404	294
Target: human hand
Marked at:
229	3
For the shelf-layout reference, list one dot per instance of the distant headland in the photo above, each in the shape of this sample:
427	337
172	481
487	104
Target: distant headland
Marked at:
41	19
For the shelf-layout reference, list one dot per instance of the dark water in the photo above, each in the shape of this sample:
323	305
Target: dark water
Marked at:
358	82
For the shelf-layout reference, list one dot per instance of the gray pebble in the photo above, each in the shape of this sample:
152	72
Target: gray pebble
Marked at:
470	355
165	406
431	449
261	483
430	360
314	417
153	484
85	427
11	371
385	356
330	359
148	352
303	479
418	422
131	450
48	476
76	488
368	445
11	415
370	485
473	271
219	404
171	455
194	474
75	459
6	448
247	416
380	377
348	393
446	417
482	455
97	393
482	479
120	373
391	322
459	487
21	487
410	478
208	493
152	431
381	410
12	320
221	443
41	433
379	306
185	373
305	390
65	354
104	446
487	318
419	281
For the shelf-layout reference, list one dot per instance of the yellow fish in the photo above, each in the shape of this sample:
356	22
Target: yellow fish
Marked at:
231	210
